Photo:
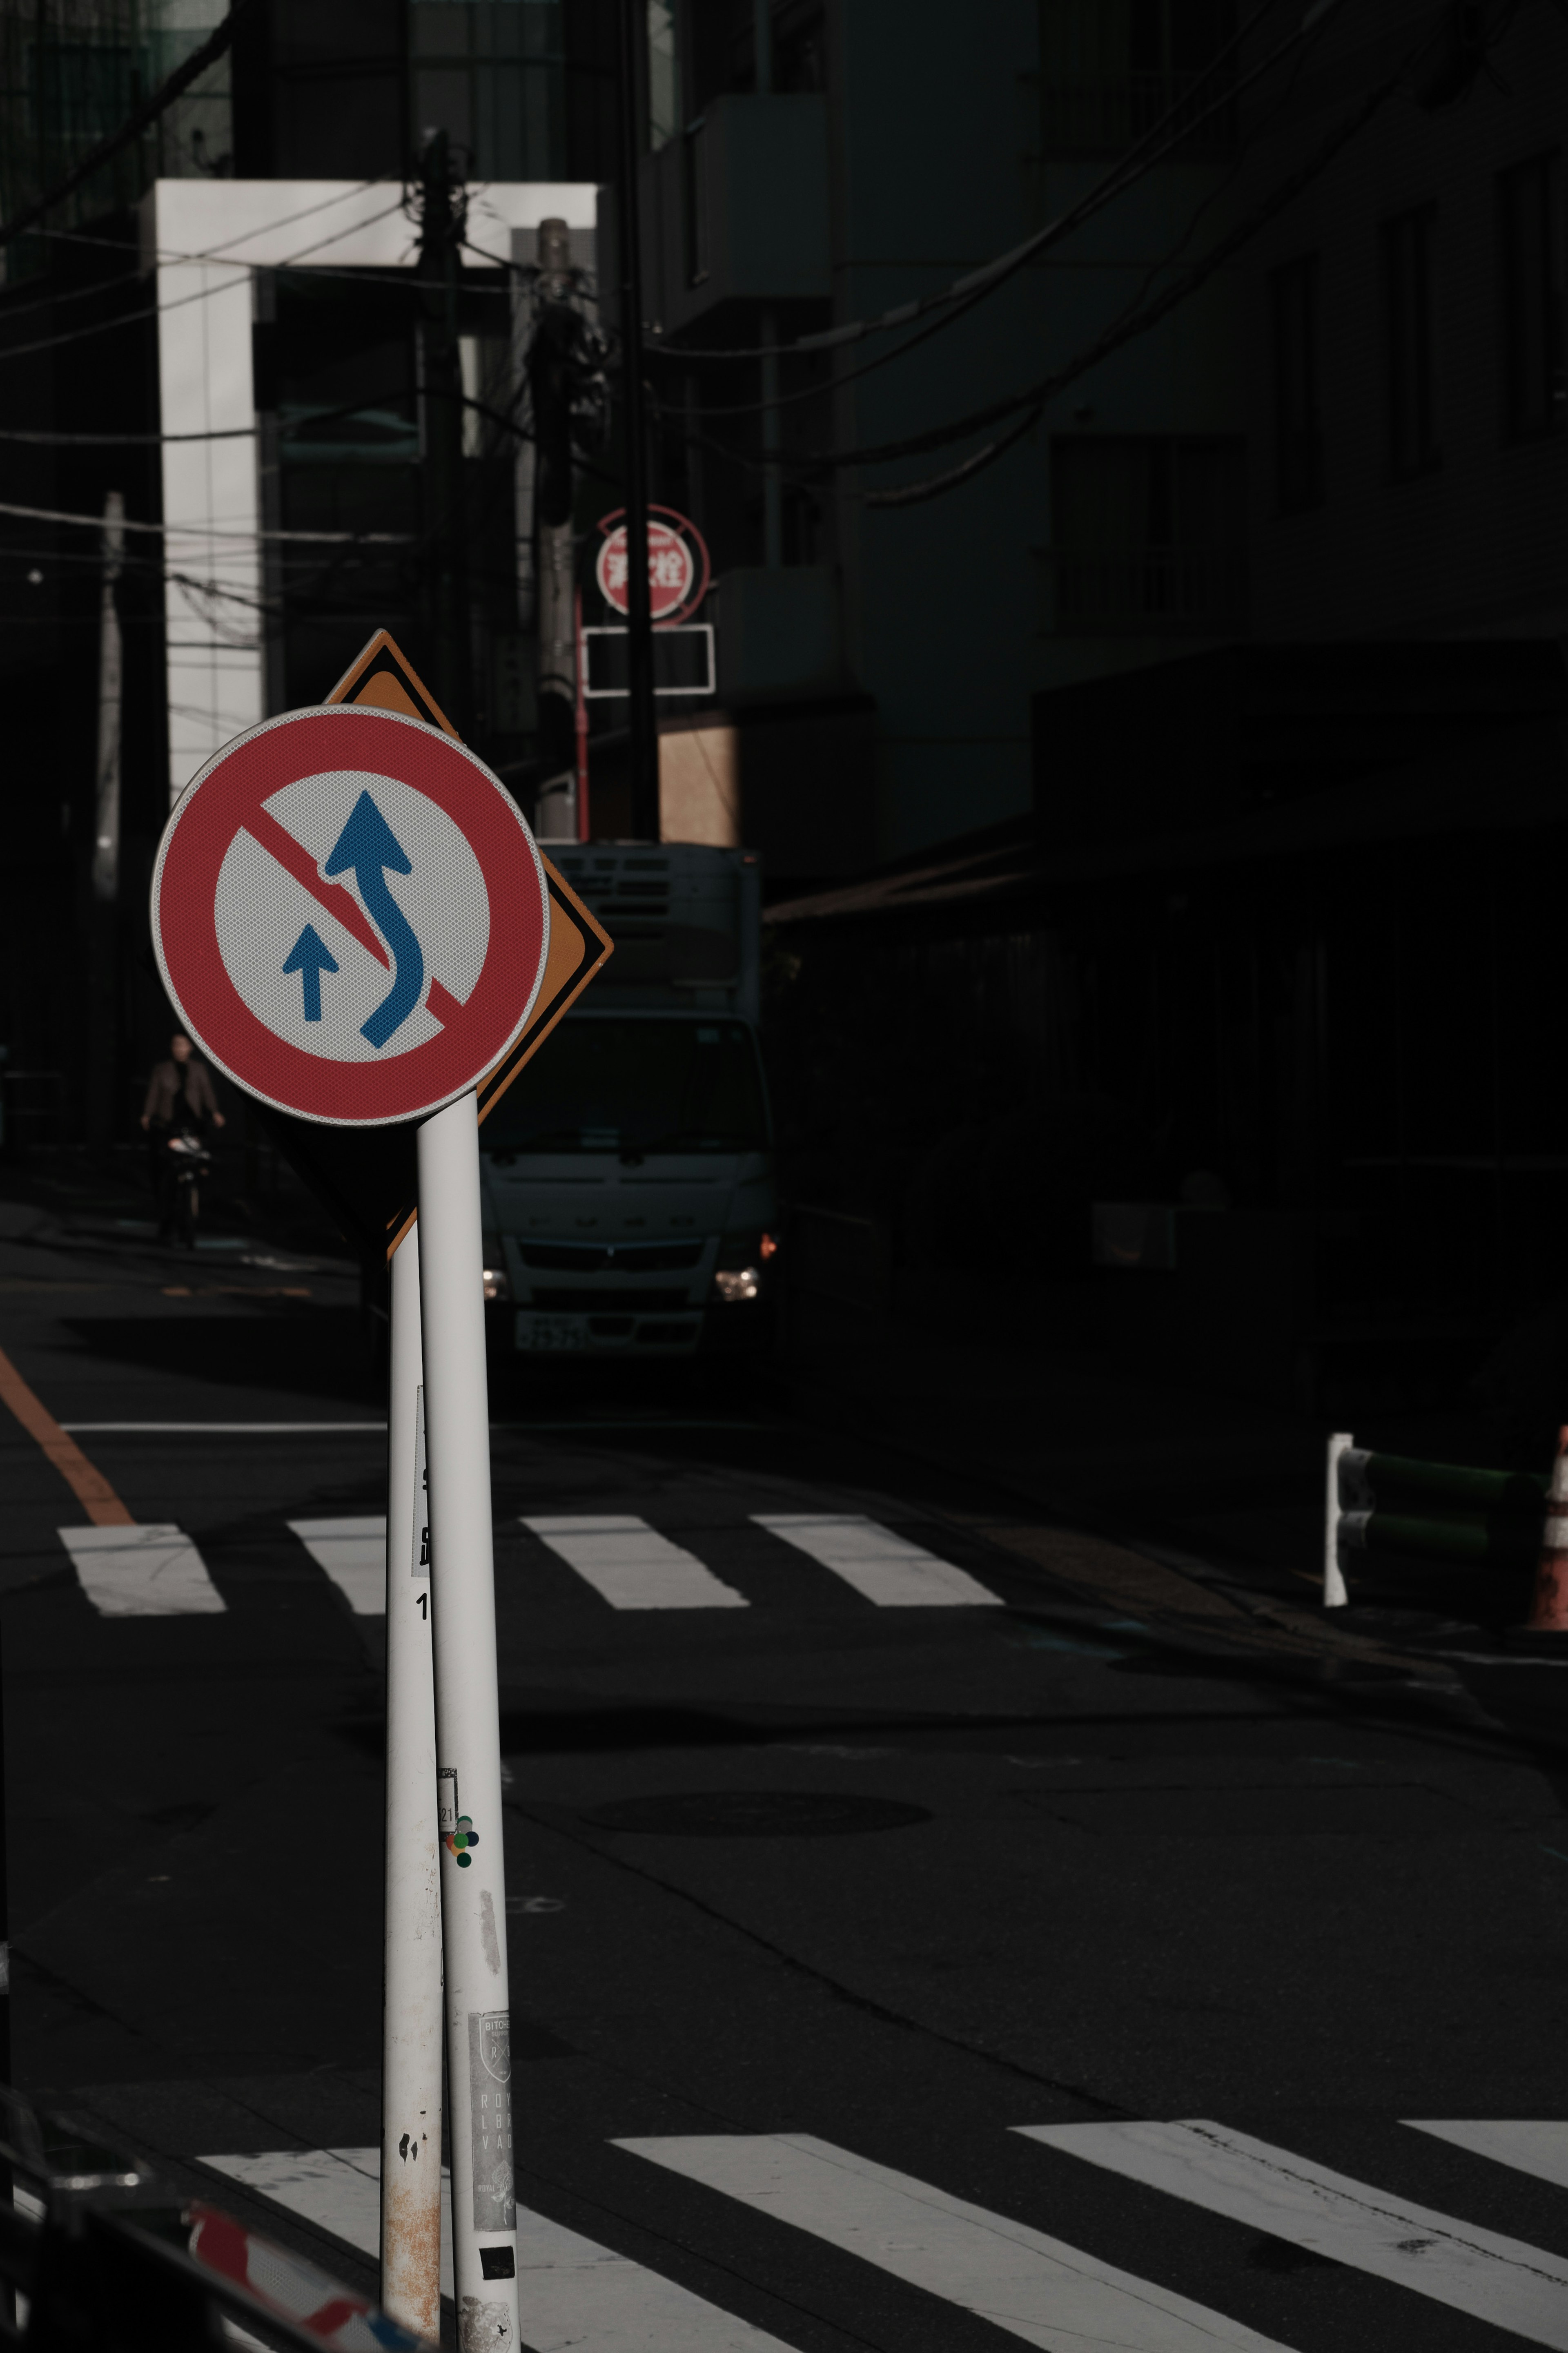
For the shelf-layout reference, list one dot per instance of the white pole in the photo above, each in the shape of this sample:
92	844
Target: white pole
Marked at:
467	1731
1335	1594
411	2030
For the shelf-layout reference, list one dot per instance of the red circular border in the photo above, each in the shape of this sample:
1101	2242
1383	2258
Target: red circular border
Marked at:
701	569
196	839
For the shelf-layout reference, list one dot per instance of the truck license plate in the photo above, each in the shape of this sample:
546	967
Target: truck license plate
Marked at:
545	1331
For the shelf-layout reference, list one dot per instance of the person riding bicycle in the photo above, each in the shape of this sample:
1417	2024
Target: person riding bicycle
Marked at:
180	1099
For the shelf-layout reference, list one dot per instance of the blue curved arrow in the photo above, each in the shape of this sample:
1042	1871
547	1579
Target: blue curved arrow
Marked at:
368	845
310	956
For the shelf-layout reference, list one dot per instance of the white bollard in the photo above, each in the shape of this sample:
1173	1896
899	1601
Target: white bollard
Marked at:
411	2027
468	1732
1335	1594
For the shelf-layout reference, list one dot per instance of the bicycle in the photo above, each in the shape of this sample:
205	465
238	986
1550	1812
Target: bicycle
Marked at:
192	1162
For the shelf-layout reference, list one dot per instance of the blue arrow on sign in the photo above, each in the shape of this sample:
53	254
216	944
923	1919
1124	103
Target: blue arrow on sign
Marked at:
368	846
310	956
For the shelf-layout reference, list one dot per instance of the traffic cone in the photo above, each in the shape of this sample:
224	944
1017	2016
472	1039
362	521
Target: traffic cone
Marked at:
1549	1604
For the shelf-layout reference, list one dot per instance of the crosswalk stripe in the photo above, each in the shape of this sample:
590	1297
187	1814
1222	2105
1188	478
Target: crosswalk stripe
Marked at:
573	2292
1495	2279
887	1569
353	1554
1528	2145
146	1571
339	2190
1035	2287
631	1566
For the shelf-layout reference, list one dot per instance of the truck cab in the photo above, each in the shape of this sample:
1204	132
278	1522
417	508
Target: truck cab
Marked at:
627	1173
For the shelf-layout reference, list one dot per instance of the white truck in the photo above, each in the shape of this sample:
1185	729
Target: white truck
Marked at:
627	1173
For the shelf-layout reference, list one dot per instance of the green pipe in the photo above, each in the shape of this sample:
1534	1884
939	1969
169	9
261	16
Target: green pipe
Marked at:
1475	1542
1446	1482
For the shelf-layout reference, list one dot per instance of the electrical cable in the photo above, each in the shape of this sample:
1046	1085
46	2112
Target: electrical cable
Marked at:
212	531
1104	192
129	247
201	294
1032	398
1124	330
140	119
1178	120
1123	175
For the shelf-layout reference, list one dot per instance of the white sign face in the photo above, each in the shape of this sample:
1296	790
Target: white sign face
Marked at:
302	971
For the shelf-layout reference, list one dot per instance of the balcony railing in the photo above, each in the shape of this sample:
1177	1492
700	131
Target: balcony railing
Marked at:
1100	118
1158	592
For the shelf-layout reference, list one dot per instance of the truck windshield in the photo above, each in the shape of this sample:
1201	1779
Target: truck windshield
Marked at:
634	1086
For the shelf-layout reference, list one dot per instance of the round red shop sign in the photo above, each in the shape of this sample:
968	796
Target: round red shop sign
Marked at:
350	915
678	569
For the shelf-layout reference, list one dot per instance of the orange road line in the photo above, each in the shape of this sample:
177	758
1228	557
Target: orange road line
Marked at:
90	1488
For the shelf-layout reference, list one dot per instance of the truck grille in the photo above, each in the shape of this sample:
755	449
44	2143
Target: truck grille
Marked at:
626	1258
645	1302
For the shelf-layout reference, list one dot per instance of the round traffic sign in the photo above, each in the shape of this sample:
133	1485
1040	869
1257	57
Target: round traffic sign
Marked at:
350	915
678	568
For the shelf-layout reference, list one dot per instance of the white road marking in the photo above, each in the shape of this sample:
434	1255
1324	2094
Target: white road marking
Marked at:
1493	2278
1528	2146
631	1566
339	2190
230	1428
1038	2288
574	2293
888	1570
353	1554
142	1572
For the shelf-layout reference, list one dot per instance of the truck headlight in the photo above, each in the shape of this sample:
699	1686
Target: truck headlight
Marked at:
497	1284
742	1258
732	1284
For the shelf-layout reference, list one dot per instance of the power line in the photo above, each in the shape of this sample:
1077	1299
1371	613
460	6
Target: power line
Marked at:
1172	130
1125	173
201	294
1124	330
128	247
210	531
140	119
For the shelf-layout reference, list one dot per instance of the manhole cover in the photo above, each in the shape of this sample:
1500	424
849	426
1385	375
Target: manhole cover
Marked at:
756	1813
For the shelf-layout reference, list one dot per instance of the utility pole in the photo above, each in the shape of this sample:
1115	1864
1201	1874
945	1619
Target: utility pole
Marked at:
111	672
442	217
103	1023
768	331
551	355
642	745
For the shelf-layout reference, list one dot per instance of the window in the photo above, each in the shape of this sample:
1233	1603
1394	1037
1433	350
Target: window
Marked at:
1149	536
1298	428
629	1085
694	209
1407	332
1109	70
491	73
1530	237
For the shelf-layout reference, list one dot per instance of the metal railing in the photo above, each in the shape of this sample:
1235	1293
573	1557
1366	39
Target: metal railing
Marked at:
1393	1504
1152	592
98	2255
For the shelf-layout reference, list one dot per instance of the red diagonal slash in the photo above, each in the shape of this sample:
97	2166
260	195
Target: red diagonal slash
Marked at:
339	901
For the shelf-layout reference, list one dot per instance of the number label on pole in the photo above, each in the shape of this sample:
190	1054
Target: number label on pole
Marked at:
350	915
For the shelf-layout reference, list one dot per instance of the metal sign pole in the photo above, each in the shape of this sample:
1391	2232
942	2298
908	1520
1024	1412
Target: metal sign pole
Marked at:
411	2030
467	1729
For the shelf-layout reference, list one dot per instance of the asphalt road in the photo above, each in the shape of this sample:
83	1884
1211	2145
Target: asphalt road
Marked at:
825	1900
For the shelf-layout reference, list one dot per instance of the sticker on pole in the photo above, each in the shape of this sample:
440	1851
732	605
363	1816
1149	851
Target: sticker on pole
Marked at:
350	915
